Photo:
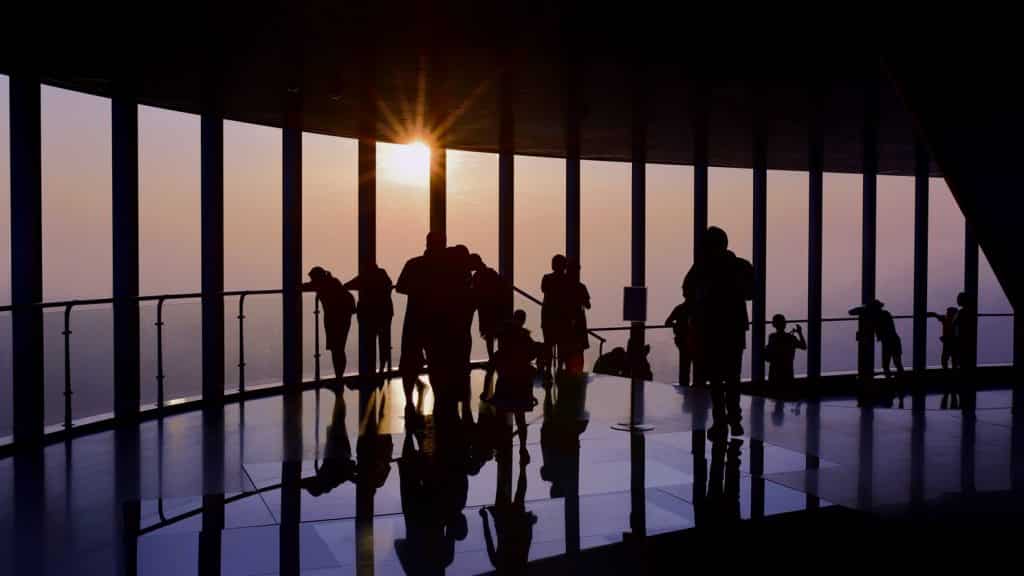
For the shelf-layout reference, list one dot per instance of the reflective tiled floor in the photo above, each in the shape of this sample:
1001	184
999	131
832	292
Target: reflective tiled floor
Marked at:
328	484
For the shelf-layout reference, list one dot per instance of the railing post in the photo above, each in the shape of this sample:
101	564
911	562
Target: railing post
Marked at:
160	352
241	342
316	339
67	365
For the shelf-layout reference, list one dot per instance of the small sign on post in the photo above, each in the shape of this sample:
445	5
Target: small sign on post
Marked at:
634	303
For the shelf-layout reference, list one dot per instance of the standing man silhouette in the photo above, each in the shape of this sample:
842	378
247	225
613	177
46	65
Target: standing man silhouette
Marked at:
339	305
554	315
416	282
721	284
375	309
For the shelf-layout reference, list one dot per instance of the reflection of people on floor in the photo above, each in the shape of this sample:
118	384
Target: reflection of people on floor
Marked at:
950	357
375	309
721	284
509	547
339	305
488	428
780	353
565	419
337	466
373	449
723	498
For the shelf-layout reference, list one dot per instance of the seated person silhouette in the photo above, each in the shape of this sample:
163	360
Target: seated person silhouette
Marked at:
779	353
612	363
339	305
680	320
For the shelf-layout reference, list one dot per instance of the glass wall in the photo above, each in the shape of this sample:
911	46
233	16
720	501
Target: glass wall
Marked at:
843	197
472	192
539	227
605	246
403	216
170	249
731	207
945	259
669	257
252	250
786	273
77	257
894	282
330	234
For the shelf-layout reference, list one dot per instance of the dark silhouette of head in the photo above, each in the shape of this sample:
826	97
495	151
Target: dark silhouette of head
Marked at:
436	241
476	263
779	322
318	274
964	300
519	318
716	241
559	263
951	311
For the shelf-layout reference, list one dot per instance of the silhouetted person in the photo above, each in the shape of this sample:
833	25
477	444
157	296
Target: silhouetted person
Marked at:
780	352
554	315
879	321
337	466
449	337
491	294
515	374
721	283
373	448
415	281
682	328
422	549
509	547
950	356
375	309
576	339
612	363
339	305
967	344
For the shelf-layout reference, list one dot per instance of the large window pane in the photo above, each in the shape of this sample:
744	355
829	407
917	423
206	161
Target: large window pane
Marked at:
169	249
472	190
605	246
539	226
841	268
731	207
995	334
945	259
895	260
252	249
786	274
330	232
6	392
669	256
403	216
77	259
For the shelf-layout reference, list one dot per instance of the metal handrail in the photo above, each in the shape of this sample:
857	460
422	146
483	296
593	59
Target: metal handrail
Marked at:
590	331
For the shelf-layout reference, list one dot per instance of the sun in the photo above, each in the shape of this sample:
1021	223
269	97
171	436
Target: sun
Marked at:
405	164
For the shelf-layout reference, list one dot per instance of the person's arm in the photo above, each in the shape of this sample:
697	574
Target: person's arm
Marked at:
585	295
308	287
354	284
402	286
672	317
801	344
856	311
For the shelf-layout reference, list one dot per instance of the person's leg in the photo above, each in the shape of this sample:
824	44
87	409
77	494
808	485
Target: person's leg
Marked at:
521	430
340	362
489	342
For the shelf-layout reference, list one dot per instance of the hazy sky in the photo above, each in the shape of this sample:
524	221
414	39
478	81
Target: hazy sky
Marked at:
77	218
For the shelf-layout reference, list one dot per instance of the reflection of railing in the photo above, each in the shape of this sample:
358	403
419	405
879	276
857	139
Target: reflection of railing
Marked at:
590	331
